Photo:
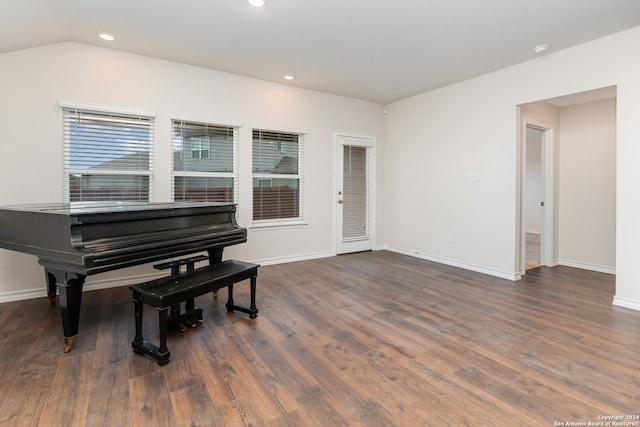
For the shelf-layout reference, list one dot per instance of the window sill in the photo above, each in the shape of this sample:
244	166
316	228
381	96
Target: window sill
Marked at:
275	225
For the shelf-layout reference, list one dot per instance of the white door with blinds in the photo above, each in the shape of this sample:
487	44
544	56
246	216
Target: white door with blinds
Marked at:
354	199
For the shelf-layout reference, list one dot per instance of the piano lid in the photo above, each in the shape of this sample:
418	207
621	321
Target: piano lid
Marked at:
90	238
82	208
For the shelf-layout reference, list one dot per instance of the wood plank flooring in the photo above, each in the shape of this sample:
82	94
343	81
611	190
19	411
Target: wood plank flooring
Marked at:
367	339
532	251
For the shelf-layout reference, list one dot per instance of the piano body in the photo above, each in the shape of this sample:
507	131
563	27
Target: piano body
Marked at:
74	241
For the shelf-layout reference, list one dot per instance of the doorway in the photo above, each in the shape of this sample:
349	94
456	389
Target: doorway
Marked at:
533	195
355	181
537	196
579	219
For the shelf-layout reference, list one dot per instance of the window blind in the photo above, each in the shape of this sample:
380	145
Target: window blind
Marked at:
277	175
205	162
107	156
356	187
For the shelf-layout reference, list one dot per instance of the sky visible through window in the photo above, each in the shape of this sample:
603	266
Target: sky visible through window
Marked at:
98	145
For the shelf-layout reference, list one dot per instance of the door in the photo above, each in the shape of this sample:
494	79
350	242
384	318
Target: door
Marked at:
354	193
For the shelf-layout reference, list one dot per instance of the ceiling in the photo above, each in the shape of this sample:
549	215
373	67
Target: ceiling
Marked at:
379	51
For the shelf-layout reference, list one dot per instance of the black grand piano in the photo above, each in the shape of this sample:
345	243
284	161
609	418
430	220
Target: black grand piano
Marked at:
74	241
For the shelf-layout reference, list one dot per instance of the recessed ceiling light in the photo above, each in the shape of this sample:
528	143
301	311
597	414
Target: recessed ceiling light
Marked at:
107	37
289	77
541	48
257	3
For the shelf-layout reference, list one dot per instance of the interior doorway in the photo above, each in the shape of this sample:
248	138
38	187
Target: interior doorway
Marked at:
537	196
579	216
533	195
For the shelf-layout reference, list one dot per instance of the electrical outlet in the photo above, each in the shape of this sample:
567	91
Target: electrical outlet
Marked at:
451	239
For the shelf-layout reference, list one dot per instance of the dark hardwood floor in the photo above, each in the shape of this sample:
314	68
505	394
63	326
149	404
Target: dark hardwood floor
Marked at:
367	339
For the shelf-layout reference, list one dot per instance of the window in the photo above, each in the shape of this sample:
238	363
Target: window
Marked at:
205	162
277	176
107	156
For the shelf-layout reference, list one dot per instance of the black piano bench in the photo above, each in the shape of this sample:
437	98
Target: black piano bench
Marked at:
170	291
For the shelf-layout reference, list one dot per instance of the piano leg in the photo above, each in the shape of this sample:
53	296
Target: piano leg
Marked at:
52	286
70	289
215	257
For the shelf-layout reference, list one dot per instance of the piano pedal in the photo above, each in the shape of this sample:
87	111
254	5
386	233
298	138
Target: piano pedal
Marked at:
182	327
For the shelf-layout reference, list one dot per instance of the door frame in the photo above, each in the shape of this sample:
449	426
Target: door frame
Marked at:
547	195
340	139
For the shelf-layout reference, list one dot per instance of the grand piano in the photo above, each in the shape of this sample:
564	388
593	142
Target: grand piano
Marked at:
74	241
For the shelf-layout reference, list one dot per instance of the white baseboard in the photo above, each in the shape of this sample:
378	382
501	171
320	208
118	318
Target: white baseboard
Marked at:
626	303
587	266
283	260
454	263
23	295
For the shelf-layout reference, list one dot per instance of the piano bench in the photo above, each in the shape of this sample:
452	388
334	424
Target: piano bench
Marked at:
170	291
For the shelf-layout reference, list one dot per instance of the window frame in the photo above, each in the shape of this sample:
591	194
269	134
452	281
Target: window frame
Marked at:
262	177
70	109
233	174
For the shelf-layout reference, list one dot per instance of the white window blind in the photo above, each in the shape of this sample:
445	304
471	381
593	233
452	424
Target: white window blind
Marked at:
205	162
277	175
356	188
107	156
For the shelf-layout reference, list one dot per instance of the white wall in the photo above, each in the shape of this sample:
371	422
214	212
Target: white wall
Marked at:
433	140
35	80
587	207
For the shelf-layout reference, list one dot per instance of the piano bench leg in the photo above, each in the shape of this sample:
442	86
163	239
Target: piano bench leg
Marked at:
162	321
252	311
140	346
138	308
153	351
230	304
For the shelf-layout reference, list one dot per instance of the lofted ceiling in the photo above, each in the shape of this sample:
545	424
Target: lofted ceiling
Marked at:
377	50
